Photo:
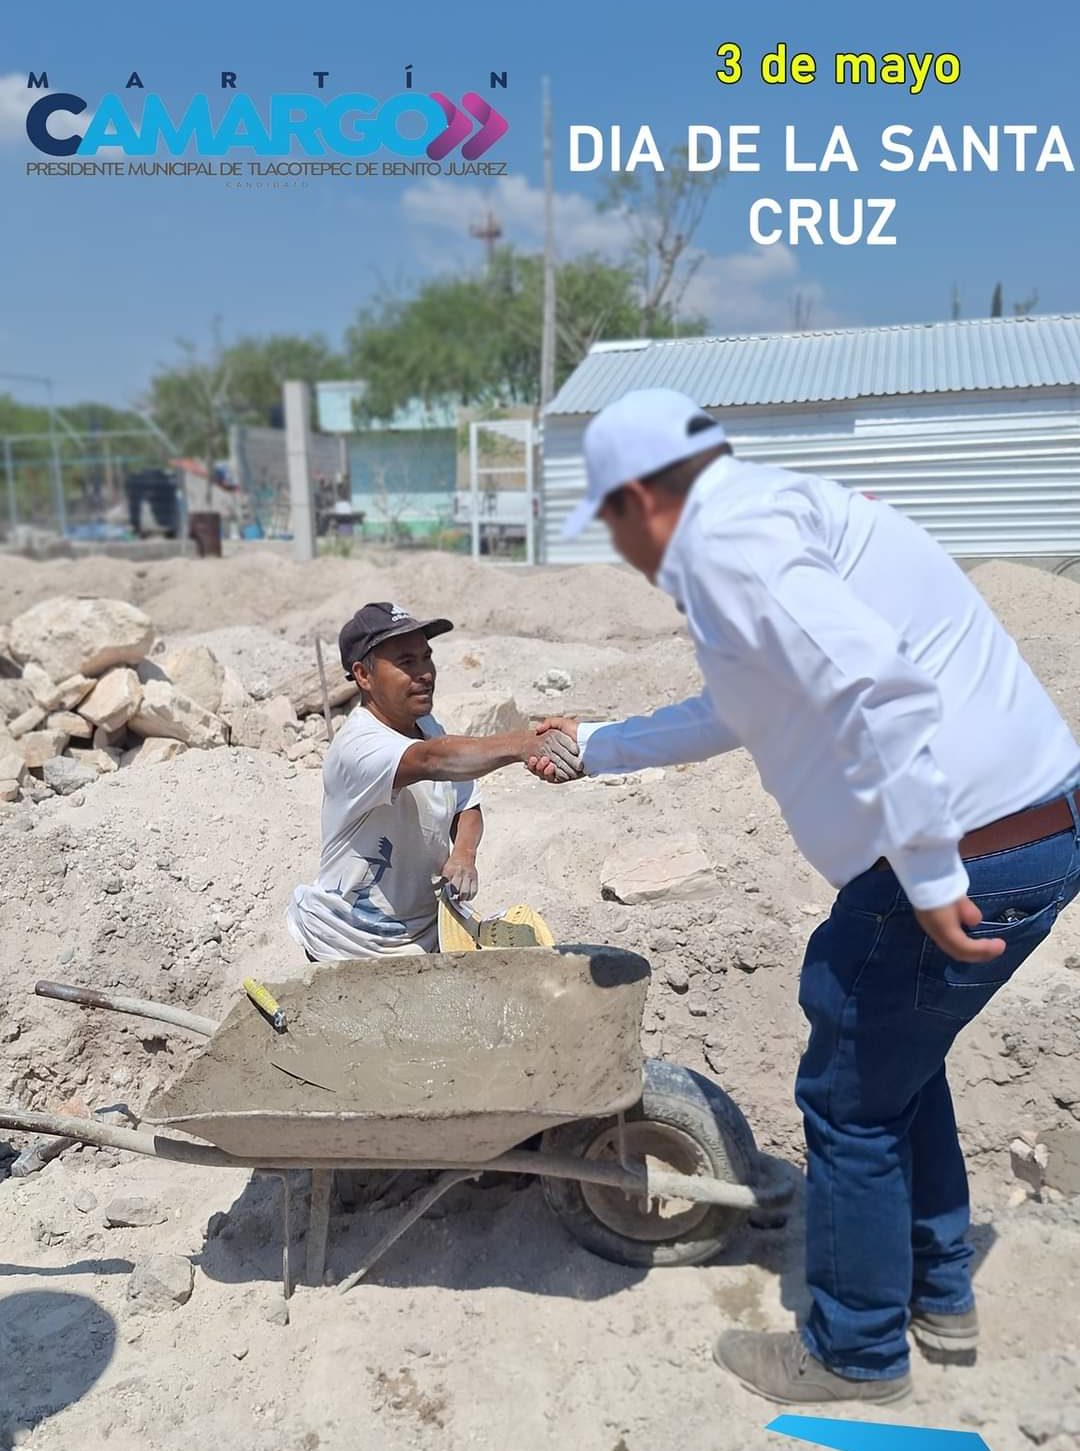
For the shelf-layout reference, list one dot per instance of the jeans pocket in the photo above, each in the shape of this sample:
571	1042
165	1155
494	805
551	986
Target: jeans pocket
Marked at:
962	989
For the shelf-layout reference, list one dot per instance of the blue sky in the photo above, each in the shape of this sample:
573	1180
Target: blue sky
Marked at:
100	276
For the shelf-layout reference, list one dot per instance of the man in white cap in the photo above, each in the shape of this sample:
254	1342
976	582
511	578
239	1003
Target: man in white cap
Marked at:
924	771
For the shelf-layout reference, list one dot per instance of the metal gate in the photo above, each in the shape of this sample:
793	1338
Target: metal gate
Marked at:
501	501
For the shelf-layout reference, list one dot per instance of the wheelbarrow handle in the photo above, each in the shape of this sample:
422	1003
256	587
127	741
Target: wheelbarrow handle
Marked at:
88	997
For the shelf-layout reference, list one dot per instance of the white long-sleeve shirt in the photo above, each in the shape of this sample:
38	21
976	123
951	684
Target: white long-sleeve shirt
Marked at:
886	709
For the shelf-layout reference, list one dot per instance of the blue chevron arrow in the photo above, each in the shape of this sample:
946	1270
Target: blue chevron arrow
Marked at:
874	1435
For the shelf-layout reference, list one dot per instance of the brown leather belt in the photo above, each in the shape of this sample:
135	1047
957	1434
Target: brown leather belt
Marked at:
1021	829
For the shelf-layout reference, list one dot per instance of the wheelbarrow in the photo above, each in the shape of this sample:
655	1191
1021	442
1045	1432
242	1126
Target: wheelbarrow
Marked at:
449	1063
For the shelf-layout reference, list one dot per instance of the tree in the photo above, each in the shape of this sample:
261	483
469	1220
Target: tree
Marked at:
662	211
996	305
475	340
196	399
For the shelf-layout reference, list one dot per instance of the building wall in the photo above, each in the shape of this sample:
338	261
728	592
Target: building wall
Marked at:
407	476
986	474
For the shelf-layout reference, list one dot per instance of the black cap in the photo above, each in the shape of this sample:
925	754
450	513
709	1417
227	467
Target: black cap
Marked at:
373	624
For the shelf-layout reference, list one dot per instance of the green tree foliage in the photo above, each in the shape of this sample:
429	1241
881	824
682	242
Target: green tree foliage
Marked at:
475	340
195	399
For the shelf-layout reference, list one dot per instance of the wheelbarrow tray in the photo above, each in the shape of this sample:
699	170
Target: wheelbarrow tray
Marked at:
444	1058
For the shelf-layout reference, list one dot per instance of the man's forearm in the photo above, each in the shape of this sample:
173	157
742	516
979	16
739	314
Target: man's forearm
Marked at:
463	758
467	831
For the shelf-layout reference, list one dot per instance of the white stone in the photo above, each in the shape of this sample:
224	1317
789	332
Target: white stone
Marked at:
197	671
234	695
40	746
68	636
665	869
15	697
480	713
73	725
51	696
106	740
166	711
114	699
268	726
152	751
162	1282
12	766
9	790
1028	1162
103	760
29	721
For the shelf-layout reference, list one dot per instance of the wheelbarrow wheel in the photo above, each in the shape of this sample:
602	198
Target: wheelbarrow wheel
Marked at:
684	1123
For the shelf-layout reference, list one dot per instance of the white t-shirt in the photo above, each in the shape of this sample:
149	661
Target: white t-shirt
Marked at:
382	850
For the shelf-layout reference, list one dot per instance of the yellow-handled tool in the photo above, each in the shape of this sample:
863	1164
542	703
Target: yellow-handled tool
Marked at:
265	1001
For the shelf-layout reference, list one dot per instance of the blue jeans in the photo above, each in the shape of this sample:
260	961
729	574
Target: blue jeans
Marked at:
887	1198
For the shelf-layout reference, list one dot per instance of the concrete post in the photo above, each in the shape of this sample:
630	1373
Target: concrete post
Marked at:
297	399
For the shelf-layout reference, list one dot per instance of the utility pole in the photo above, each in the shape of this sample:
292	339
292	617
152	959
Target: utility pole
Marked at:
488	231
547	336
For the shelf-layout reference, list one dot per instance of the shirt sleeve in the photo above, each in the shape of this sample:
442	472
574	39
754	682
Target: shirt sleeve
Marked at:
689	731
366	767
787	634
468	795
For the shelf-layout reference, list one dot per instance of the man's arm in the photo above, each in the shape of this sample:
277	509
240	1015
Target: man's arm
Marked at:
460	869
464	758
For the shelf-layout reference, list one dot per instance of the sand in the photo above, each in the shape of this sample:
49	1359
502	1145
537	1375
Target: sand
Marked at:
487	1327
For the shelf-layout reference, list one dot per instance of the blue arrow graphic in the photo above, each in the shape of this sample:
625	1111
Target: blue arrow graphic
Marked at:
874	1435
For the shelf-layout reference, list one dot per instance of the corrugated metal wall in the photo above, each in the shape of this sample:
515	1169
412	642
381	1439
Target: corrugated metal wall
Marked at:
991	474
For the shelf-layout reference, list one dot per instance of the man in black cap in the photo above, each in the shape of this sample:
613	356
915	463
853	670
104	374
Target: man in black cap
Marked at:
401	812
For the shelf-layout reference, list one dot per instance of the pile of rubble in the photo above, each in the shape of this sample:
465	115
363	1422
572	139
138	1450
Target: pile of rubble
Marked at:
84	691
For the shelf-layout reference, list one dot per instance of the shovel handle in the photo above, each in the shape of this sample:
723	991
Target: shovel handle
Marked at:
88	997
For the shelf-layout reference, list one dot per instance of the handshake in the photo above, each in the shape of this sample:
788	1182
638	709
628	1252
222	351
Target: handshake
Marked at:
555	754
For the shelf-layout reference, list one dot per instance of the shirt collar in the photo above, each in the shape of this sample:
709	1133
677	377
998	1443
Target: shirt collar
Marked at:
672	567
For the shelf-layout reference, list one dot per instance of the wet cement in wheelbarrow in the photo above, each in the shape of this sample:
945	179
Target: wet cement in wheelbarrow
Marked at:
445	1057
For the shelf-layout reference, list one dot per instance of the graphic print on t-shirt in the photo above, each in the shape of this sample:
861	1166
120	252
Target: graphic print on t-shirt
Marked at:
362	908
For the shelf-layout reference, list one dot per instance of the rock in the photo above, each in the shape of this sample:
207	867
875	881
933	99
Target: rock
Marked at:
697	1006
85	1202
305	689
277	1312
68	636
152	752
167	712
302	748
234	695
102	762
29	721
480	713
270	726
9	790
106	740
12	766
114	699
66	776
671	869
15	697
49	695
1062	1170
677	979
41	746
73	726
196	670
554	680
133	1214
48	1232
162	1282
1028	1162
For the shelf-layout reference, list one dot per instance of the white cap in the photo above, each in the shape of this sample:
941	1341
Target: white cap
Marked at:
636	435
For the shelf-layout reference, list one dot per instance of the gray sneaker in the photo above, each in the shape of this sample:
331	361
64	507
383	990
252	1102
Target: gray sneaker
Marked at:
780	1368
952	1338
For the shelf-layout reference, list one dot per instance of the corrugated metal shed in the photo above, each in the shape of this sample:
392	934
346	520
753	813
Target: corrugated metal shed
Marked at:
816	367
971	428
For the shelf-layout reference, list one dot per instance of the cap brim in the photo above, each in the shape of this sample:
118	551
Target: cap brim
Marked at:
430	628
580	518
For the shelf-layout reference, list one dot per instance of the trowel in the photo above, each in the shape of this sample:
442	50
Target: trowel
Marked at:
461	929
